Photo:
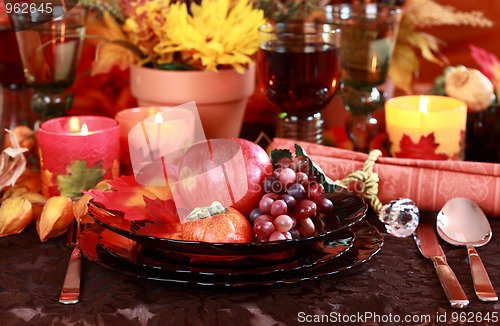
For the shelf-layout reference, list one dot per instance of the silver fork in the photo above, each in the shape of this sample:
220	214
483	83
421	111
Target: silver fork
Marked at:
70	293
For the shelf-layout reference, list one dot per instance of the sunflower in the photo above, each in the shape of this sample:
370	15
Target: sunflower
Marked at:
210	35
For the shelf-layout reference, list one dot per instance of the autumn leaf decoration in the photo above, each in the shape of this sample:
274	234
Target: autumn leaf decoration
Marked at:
425	148
127	196
79	177
139	208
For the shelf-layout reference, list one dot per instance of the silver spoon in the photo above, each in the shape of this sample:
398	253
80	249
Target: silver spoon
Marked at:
462	223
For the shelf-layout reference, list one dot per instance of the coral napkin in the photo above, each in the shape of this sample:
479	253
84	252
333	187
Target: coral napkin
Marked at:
429	183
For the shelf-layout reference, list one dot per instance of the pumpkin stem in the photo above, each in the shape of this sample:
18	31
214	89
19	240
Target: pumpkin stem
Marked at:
203	212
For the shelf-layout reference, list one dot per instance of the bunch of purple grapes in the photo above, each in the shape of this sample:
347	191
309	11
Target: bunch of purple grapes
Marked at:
293	204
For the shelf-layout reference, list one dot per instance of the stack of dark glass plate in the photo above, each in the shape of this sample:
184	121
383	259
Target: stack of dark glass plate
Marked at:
133	249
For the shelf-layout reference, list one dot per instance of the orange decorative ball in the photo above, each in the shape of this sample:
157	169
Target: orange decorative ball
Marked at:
230	226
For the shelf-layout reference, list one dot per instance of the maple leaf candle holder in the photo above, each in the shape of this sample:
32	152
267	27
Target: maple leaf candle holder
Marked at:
426	127
76	153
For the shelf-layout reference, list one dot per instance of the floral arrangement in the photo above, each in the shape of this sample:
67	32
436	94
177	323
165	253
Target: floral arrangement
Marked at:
177	35
421	14
286	10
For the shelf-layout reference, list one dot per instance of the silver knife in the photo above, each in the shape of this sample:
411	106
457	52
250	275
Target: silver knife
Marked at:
70	293
428	244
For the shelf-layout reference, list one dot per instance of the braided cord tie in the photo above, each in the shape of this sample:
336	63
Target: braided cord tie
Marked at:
368	179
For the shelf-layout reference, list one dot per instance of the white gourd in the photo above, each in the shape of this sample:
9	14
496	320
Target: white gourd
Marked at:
470	86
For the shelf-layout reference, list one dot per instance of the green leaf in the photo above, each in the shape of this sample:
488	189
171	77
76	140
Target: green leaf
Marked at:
328	183
278	154
78	177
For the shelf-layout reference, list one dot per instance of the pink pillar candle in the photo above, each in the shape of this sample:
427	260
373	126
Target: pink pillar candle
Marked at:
127	119
77	152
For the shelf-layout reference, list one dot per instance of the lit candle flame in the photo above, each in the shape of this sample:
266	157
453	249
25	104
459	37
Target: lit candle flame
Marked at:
85	130
74	124
422	105
158	118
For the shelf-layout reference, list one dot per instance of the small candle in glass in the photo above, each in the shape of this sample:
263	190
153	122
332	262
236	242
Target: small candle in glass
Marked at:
127	119
76	153
426	127
150	133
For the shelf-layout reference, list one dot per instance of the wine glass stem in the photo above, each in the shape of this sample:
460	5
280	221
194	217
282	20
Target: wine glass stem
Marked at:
361	126
361	129
307	128
50	104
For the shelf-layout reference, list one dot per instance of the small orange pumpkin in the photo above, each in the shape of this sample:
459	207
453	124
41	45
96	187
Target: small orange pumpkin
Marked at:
228	227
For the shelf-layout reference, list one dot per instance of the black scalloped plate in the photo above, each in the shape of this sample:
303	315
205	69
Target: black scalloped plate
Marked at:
350	208
311	266
328	249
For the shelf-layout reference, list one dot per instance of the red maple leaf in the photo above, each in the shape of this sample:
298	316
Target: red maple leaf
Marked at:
126	196
141	209
162	211
166	220
424	149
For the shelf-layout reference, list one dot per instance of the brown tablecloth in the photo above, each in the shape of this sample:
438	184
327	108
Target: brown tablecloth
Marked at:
397	287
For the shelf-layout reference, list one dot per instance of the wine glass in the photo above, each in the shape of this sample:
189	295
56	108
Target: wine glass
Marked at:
50	45
15	95
369	32
299	73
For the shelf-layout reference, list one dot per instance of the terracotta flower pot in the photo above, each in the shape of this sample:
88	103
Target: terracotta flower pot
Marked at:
220	97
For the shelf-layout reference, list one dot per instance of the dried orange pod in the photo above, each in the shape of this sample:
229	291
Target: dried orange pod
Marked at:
31	179
81	209
57	215
14	191
34	197
37	201
15	215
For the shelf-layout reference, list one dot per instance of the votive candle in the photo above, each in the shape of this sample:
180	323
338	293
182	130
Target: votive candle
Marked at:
149	133
426	127
127	119
77	152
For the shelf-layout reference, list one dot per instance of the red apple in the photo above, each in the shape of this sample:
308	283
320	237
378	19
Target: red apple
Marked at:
258	166
230	171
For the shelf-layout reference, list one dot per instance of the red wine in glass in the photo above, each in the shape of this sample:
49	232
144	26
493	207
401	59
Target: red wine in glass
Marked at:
299	79
15	96
11	67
